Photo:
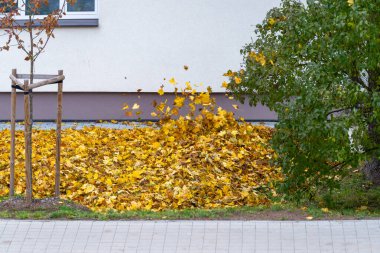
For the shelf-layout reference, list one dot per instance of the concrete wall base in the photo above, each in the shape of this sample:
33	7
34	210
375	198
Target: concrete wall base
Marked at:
87	106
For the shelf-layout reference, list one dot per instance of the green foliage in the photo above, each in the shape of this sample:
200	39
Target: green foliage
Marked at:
318	67
355	193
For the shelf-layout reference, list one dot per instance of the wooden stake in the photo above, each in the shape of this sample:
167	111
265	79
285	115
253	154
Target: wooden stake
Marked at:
13	138
28	144
57	79
16	81
58	140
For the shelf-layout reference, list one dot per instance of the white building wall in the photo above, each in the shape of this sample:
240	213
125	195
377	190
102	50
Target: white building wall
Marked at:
139	43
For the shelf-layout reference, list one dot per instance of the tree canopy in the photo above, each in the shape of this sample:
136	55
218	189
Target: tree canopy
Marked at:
318	66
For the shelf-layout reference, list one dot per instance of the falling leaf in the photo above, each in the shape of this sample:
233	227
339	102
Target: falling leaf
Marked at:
236	107
172	81
179	101
135	106
161	91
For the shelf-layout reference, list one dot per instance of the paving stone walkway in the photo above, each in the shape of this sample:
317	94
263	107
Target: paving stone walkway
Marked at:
190	236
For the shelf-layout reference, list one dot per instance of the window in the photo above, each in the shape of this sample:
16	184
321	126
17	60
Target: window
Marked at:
82	13
6	6
82	6
44	9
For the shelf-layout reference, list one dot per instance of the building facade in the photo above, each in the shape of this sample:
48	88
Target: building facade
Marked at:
110	49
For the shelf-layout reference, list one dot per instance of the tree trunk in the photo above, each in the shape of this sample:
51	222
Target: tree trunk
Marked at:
371	170
31	80
371	167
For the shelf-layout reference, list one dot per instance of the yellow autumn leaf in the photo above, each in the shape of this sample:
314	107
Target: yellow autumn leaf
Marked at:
156	145
237	80
271	21
188	86
87	188
161	91
172	81
135	107
109	182
179	101
350	2
203	99
229	73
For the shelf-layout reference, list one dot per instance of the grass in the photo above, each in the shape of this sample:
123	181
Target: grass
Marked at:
70	213
65	212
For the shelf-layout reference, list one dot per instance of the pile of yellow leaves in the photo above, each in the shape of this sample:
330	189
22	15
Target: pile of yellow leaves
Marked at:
203	160
209	162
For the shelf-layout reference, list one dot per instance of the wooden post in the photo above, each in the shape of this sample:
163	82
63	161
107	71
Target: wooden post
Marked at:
58	140
28	144
13	138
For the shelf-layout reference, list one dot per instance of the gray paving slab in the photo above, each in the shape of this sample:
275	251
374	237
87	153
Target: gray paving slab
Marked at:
359	236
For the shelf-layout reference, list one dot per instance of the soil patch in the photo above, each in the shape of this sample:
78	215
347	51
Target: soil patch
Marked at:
46	204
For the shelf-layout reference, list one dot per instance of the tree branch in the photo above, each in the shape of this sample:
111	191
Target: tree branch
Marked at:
338	110
357	80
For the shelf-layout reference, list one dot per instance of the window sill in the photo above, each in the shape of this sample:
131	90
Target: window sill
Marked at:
90	22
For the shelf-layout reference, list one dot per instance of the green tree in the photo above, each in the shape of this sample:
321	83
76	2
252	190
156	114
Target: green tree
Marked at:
318	66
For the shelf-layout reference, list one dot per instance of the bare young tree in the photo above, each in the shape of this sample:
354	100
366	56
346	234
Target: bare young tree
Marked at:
31	36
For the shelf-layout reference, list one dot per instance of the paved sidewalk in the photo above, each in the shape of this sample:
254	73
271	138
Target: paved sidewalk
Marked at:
190	236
